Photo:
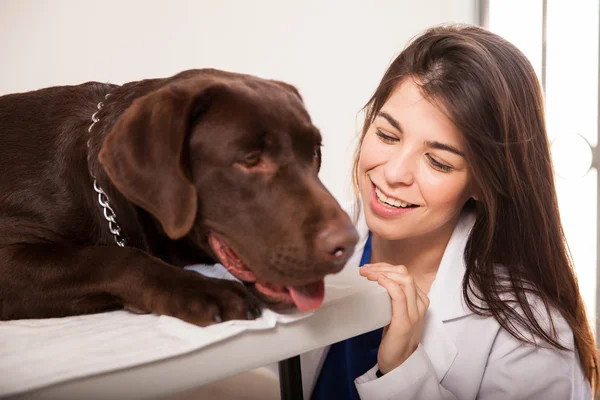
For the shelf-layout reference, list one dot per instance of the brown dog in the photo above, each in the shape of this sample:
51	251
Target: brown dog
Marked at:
202	166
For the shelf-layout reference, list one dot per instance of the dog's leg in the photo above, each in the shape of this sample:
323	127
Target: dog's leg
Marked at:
50	280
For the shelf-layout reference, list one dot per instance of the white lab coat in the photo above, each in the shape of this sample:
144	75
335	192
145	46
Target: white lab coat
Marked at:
465	356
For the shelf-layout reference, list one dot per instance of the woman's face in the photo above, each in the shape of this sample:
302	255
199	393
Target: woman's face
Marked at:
413	175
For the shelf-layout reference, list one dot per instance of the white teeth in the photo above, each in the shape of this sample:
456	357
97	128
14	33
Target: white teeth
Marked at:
389	200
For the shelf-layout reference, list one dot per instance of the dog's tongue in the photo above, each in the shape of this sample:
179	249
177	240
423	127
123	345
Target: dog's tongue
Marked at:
308	297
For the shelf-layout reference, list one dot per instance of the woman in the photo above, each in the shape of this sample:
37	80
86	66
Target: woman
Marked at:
456	181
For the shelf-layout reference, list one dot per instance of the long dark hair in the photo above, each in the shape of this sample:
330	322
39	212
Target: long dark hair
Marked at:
490	91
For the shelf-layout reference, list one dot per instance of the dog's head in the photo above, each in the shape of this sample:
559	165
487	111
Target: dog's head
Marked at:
232	160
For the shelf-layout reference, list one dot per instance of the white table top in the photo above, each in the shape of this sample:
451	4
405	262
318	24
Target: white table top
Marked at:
352	306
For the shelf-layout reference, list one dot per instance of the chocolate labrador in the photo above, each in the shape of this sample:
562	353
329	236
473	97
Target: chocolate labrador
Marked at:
107	191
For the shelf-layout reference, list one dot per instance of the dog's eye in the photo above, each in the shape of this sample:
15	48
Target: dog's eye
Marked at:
252	159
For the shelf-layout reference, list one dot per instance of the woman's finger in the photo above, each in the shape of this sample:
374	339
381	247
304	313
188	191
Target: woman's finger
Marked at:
399	306
416	306
416	300
384	267
422	301
373	275
410	290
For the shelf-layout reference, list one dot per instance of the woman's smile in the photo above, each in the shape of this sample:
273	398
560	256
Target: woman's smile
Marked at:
387	206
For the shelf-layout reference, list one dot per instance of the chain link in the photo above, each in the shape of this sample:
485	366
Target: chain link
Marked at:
103	200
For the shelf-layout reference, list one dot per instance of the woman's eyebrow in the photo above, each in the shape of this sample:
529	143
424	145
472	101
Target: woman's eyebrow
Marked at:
446	147
389	119
432	144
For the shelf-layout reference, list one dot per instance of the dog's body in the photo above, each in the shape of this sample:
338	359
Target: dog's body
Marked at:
203	166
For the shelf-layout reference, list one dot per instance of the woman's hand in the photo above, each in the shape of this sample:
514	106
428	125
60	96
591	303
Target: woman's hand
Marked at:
409	304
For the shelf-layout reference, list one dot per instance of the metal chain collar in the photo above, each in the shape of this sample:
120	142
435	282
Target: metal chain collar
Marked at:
109	213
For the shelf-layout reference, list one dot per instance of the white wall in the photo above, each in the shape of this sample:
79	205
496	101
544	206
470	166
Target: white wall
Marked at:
334	51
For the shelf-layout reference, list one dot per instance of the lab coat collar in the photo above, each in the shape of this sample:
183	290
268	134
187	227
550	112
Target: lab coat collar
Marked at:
446	299
445	294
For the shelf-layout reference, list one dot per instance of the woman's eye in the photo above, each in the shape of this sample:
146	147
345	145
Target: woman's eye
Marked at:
385	138
317	152
438	165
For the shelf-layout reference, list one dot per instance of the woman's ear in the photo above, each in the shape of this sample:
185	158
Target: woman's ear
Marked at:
475	189
475	192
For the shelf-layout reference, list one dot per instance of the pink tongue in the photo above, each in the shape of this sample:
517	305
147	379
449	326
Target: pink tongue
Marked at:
308	297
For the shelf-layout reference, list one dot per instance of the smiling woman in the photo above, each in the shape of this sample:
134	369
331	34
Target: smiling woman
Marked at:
461	227
412	154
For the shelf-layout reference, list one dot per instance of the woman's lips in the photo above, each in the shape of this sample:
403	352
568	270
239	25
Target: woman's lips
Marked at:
384	210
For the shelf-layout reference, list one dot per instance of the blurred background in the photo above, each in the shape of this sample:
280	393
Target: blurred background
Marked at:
560	38
334	52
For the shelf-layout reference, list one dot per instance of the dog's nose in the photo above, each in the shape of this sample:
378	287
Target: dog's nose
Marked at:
336	243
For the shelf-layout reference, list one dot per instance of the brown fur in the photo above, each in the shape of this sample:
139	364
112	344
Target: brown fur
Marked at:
176	158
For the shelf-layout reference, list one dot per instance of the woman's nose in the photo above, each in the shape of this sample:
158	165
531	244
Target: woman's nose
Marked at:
401	168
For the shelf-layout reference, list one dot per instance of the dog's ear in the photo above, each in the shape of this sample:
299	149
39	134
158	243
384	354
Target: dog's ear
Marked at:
142	155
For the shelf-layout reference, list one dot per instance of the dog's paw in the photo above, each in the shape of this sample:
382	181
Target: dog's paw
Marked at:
205	301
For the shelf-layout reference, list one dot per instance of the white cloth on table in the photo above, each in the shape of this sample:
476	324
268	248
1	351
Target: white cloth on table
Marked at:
38	353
